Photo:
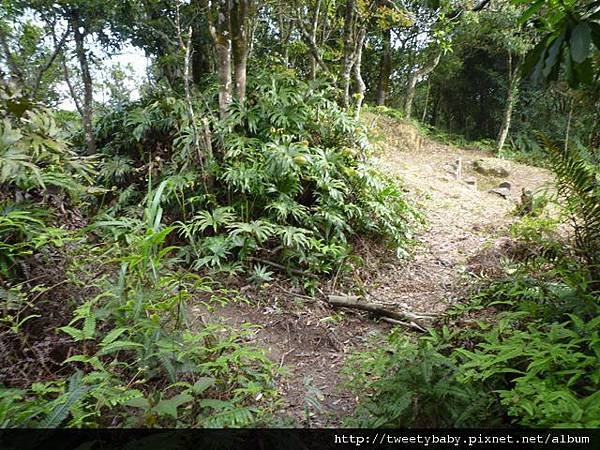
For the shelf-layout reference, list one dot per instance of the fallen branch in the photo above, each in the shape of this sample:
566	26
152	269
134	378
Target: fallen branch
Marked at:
420	316
398	317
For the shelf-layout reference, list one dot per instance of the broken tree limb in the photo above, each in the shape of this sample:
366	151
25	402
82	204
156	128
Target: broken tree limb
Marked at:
421	316
401	317
404	324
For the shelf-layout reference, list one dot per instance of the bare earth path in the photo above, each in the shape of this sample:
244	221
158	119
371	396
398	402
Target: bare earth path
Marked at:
465	223
465	232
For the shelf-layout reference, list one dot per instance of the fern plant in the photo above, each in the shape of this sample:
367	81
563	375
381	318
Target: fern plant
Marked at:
546	375
403	384
579	187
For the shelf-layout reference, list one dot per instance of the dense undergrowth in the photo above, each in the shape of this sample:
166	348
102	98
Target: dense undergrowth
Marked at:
104	257
106	261
289	180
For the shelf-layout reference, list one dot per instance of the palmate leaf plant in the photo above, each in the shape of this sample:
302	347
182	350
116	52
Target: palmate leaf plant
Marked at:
293	184
539	357
34	154
290	179
35	162
142	361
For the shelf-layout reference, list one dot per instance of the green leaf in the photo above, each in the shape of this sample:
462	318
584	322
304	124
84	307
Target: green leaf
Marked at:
581	37
60	412
553	52
584	72
139	402
203	384
533	58
89	325
214	404
73	332
112	336
169	407
533	9
93	360
569	73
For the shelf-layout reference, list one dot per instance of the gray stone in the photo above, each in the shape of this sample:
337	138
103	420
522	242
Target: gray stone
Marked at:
502	192
505	185
486	167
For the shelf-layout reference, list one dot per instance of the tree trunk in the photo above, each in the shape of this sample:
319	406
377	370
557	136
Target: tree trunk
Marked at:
513	83
385	68
349	49
10	59
426	102
58	49
201	45
88	94
312	61
221	35
239	44
415	76
360	84
200	63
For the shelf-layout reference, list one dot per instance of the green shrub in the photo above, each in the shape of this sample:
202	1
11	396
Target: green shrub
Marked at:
36	164
138	359
546	374
406	384
290	182
578	182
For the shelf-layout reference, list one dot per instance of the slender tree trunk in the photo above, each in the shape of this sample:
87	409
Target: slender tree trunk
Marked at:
513	83
410	94
385	68
568	129
88	94
312	46
58	48
349	49
221	35
201	48
74	95
415	76
9	57
426	102
360	84
200	60
239	44
312	61
285	31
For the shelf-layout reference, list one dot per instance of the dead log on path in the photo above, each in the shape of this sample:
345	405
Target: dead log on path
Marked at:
404	318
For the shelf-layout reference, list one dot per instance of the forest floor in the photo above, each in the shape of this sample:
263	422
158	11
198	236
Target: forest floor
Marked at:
465	236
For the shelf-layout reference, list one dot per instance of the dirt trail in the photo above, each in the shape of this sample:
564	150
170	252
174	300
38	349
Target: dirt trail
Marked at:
464	233
466	225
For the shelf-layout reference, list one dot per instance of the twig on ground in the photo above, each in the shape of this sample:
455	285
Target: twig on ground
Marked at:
283	357
405	324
